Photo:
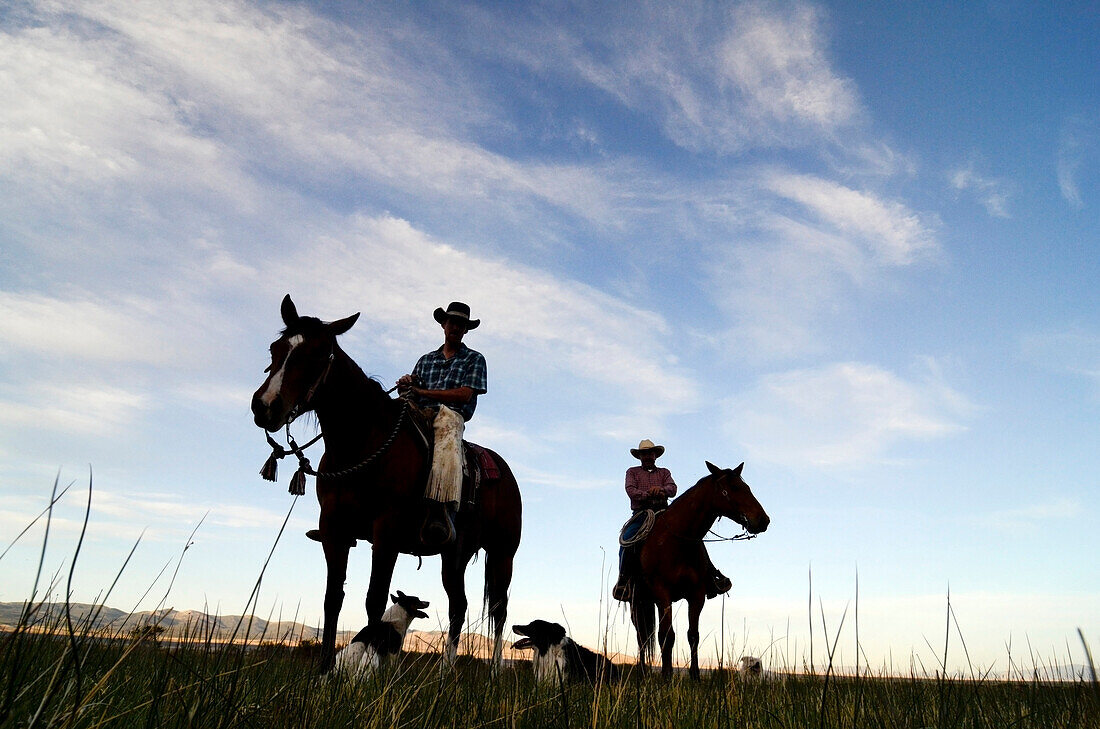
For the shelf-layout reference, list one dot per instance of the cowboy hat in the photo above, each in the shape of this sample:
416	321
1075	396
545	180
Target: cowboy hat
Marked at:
456	310
645	447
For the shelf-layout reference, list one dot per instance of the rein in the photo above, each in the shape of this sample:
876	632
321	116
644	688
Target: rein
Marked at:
735	538
298	482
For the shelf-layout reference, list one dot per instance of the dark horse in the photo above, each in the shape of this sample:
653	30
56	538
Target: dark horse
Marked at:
380	497
674	561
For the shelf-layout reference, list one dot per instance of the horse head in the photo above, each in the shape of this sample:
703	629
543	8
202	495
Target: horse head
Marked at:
300	360
733	498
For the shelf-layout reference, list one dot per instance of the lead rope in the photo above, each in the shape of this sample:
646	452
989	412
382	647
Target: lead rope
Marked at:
298	480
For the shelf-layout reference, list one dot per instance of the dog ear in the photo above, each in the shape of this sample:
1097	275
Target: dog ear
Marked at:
557	632
394	597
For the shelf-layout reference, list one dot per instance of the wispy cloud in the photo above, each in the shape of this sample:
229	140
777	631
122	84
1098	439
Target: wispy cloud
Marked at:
1077	148
807	244
83	329
72	408
892	233
1034	517
843	415
717	78
1074	350
991	193
560	327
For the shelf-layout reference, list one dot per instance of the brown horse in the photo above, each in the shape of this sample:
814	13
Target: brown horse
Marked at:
674	562
372	476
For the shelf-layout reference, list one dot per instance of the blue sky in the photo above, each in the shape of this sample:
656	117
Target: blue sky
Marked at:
851	245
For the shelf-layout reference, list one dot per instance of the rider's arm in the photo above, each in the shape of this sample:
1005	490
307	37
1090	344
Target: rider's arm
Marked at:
669	485
454	396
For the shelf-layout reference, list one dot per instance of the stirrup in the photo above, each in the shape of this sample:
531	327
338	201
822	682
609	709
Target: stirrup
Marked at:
439	531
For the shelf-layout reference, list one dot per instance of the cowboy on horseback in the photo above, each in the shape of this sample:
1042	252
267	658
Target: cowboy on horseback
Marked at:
649	488
447	381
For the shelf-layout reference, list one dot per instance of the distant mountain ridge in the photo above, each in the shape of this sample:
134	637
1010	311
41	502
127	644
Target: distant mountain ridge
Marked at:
195	624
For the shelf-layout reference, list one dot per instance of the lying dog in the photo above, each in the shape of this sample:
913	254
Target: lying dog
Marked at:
749	666
556	655
367	652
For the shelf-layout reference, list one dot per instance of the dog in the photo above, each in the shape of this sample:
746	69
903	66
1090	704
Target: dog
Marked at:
749	667
557	656
371	650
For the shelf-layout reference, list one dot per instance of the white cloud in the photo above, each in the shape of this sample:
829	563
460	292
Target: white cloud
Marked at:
73	408
893	234
842	415
778	62
89	330
561	327
991	193
1074	350
1032	518
1077	151
808	244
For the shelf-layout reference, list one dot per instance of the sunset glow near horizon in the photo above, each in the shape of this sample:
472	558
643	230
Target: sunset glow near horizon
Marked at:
853	246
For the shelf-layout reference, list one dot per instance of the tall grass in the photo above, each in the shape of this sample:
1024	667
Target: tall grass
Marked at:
57	669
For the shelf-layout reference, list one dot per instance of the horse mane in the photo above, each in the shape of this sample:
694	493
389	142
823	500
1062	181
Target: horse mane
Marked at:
304	325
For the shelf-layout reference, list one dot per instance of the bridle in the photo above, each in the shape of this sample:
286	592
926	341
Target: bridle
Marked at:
298	482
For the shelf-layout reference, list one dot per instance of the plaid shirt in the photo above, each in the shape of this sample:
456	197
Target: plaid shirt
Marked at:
465	369
639	481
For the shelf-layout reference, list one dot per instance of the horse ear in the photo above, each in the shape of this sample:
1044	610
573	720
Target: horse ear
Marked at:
289	312
715	470
737	470
339	327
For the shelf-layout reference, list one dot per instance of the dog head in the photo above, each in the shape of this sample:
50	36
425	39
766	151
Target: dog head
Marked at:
412	604
539	634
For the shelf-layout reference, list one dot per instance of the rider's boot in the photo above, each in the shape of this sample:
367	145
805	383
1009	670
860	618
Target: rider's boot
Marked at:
622	590
439	527
719	584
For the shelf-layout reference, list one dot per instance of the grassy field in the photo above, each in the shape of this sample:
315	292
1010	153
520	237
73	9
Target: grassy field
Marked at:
62	669
53	678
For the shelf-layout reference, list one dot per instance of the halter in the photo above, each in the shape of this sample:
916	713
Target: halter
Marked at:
298	482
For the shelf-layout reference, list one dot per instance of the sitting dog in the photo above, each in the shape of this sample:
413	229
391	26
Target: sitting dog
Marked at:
556	655
370	650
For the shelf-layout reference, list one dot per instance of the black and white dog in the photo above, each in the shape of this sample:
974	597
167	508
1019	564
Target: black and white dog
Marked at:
367	652
557	656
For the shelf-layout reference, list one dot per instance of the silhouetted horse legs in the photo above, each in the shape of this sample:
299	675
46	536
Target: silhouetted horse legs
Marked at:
336	558
666	636
695	607
454	583
642	614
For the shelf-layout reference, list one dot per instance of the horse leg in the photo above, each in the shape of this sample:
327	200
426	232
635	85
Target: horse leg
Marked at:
454	584
383	561
695	607
666	636
641	614
498	576
336	560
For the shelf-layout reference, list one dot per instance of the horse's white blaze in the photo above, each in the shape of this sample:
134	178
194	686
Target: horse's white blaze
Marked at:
275	384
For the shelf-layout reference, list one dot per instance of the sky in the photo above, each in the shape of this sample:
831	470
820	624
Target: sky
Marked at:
852	245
